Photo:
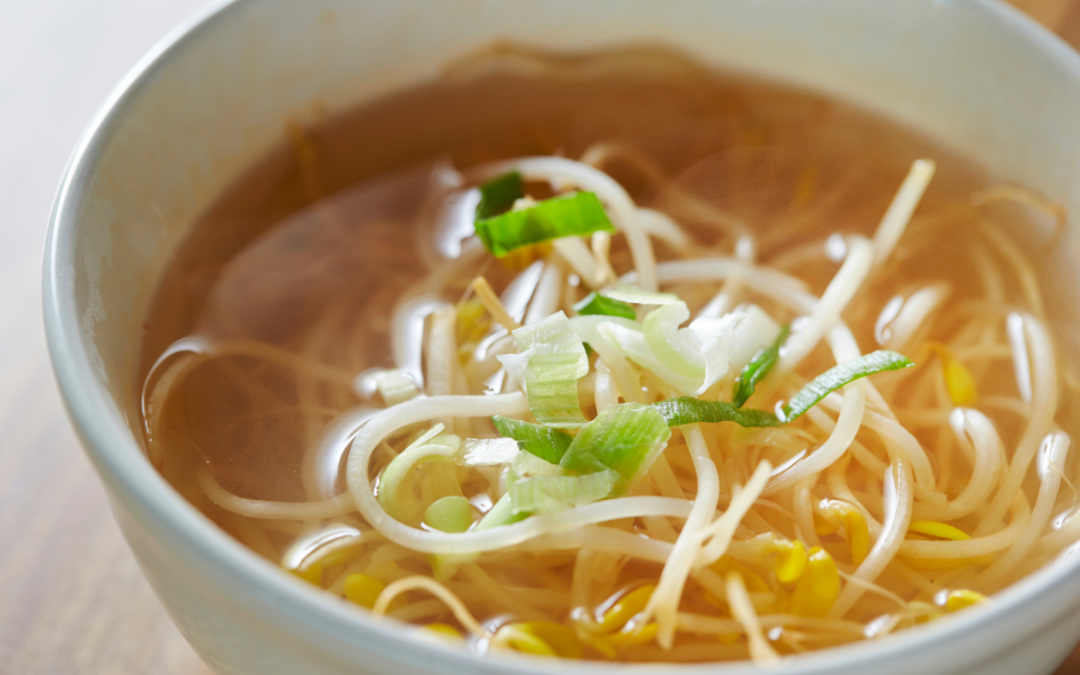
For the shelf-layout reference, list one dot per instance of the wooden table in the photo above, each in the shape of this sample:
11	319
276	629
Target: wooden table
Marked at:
71	598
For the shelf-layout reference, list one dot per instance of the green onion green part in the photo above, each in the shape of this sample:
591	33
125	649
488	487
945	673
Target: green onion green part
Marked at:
499	194
625	438
577	214
599	304
551	383
689	410
758	368
839	375
546	443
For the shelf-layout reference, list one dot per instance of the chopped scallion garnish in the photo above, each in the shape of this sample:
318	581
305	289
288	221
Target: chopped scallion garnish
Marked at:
840	375
552	493
502	513
548	444
551	382
569	215
449	514
758	368
689	410
499	194
599	304
551	361
625	438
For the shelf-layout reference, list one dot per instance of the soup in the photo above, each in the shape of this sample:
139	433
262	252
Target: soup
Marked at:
614	357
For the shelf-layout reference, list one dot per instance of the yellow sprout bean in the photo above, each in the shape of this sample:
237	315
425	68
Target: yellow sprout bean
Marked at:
539	638
958	380
792	563
935	529
362	589
957	600
960	383
753	582
310	573
818	587
630	637
562	640
625	608
444	630
932	528
515	637
842	515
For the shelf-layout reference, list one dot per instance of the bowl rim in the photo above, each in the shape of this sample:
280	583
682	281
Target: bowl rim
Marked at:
256	583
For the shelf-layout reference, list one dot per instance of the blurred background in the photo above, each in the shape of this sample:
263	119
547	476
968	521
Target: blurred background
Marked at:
71	598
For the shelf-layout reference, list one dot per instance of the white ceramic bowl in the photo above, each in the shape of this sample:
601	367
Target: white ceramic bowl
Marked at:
213	97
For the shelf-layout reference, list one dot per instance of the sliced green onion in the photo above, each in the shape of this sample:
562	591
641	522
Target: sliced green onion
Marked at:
528	465
678	350
502	513
598	304
636	296
395	386
489	451
839	375
689	410
758	368
444	567
499	194
551	385
548	444
432	446
577	214
625	438
629	339
553	493
449	514
553	334
551	360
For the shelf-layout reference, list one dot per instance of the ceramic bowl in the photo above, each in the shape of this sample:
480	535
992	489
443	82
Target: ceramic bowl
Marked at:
213	98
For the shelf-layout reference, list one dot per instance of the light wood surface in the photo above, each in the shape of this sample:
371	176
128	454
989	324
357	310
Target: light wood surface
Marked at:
72	600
